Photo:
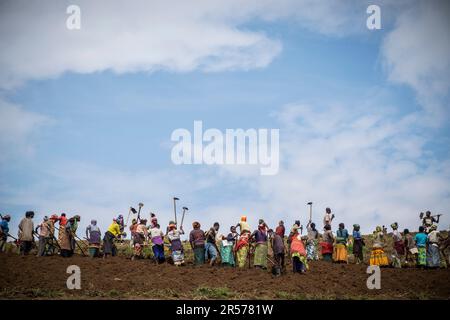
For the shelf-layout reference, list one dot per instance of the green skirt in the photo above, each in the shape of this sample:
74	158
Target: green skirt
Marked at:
422	256
226	253
261	251
199	255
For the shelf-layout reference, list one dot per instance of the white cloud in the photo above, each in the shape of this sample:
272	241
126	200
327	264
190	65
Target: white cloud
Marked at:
149	35
417	53
17	129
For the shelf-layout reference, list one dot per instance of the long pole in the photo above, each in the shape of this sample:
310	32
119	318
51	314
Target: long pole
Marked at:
175	208
310	210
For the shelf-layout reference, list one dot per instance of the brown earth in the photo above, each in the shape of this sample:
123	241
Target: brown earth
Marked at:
120	278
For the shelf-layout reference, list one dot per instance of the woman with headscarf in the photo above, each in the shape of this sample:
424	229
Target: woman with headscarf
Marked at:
140	236
242	245
298	252
157	237
226	247
311	242
377	255
108	240
261	248
433	255
398	251
197	241
421	244
62	225
176	246
358	244
327	243
340	249
93	235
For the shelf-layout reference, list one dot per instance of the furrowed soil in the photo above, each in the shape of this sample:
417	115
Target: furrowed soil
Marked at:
120	278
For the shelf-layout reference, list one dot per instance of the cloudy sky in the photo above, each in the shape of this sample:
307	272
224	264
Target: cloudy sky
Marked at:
86	115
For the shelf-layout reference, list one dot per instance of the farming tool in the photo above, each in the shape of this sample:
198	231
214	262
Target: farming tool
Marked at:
182	217
310	210
139	211
175	208
131	210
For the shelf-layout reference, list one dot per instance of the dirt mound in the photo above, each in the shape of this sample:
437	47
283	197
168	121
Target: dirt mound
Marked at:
119	277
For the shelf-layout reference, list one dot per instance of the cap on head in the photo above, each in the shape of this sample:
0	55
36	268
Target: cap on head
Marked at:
328	210
243	218
356	226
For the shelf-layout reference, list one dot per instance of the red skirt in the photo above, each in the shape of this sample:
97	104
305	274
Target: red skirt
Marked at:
326	247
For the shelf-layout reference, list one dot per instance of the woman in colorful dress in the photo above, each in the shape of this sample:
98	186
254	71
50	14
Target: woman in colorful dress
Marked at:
340	254
433	255
311	244
176	246
157	237
298	253
327	244
261	247
398	252
377	255
140	236
421	244
243	244
226	248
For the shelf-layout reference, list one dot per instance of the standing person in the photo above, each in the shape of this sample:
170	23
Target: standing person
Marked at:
312	241
280	229
153	220
327	243
377	255
140	235
278	247
340	249
52	242
428	221
44	232
64	238
72	227
227	247
411	250
243	244
297	225
4	231
298	253
121	223
133	227
176	247
108	240
398	251
94	236
421	243
261	248
62	227
358	244
157	237
433	255
210	247
26	229
328	218
197	241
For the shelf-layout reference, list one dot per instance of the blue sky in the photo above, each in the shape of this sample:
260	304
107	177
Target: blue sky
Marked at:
363	114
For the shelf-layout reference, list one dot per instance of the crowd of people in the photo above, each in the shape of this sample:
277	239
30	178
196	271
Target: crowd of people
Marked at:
238	247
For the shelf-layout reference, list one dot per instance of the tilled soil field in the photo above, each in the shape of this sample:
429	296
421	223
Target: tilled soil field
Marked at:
31	277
